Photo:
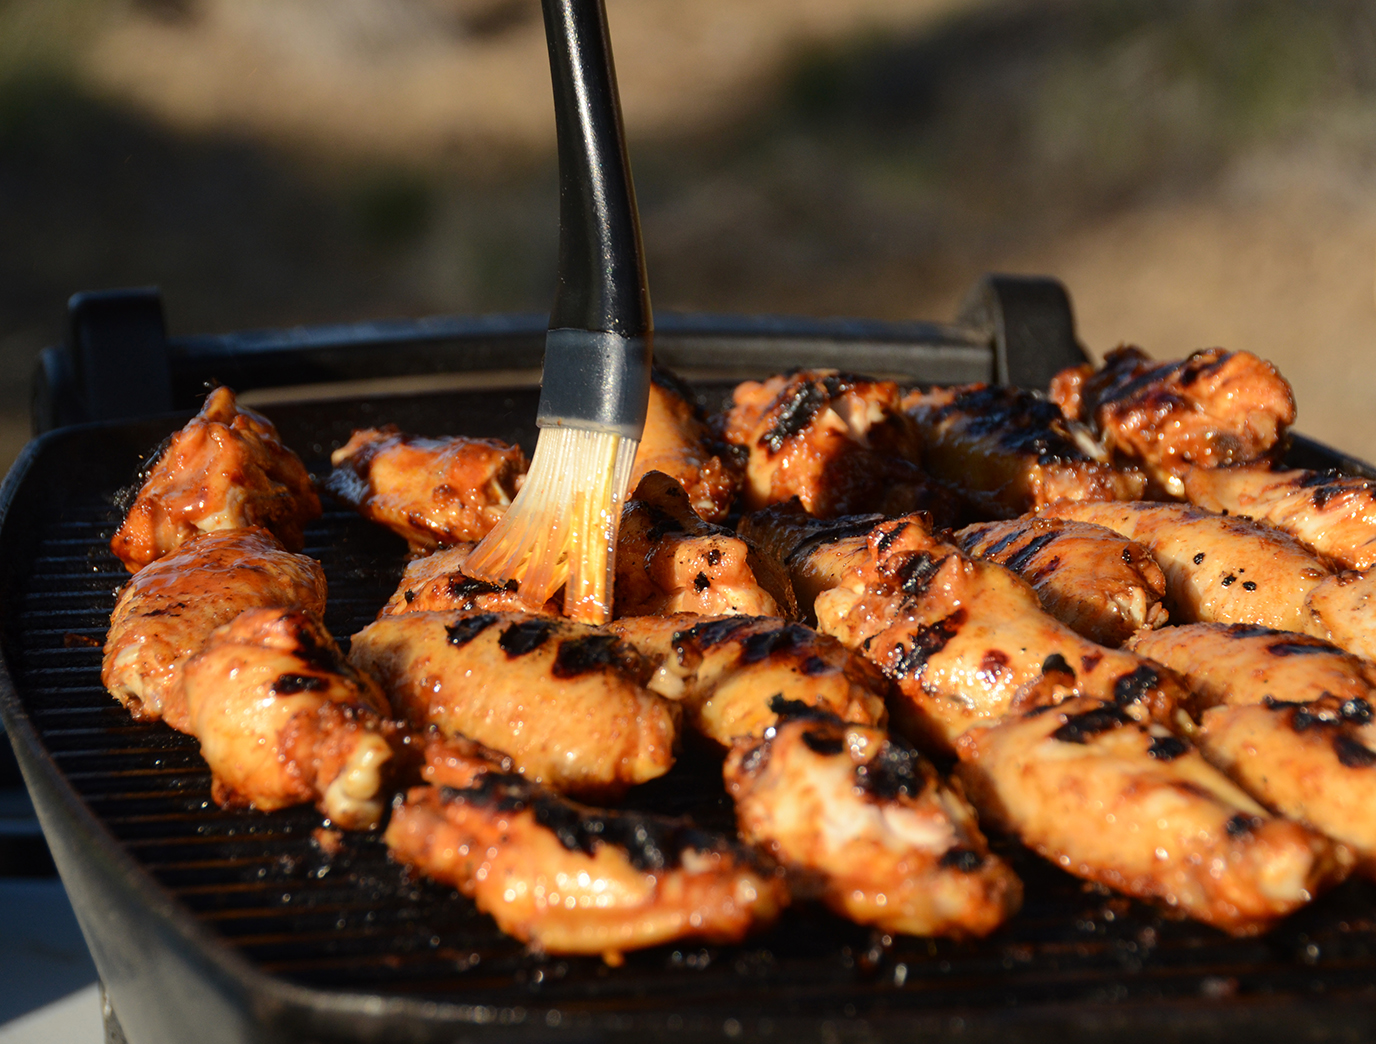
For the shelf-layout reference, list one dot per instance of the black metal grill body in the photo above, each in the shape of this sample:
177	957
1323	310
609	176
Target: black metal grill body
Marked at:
231	926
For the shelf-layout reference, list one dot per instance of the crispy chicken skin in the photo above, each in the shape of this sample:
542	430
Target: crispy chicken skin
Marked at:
167	610
1240	664
1095	581
837	442
893	846
433	492
668	560
1005	451
282	719
437	583
1133	807
570	879
566	701
226	469
1332	513
726	670
1342	608
1314	762
678	443
1210	410
816	552
967	641
1218	568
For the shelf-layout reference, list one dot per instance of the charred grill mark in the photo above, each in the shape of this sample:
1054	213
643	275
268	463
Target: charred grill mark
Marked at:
1303	719
525	637
827	744
1249	585
1356	710
466	630
961	858
1001	544
1167	748
324	657
1056	662
762	646
462	588
1019	560
577	656
1229	580
706	635
661	522
916	573
926	642
1131	688
885	542
794	412
791	710
830	533
1017	421
1241	824
1351	753
290	684
895	772
701	583
1298	648
714	557
1046	569
650	842
1078	728
815	666
1199	558
1252	631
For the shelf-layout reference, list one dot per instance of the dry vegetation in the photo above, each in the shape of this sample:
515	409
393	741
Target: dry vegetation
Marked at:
1197	171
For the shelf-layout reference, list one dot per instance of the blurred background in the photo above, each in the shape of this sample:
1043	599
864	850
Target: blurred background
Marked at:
1198	172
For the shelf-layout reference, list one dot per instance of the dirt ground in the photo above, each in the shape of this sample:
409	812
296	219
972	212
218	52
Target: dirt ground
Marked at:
1197	171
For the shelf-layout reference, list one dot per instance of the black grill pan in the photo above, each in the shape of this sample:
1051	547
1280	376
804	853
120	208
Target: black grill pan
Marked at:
215	926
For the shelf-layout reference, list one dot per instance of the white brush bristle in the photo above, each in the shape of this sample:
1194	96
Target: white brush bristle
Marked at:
561	528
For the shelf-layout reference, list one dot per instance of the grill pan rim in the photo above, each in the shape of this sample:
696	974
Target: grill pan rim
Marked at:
118	878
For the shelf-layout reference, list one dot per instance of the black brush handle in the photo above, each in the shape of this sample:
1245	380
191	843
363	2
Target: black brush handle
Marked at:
601	265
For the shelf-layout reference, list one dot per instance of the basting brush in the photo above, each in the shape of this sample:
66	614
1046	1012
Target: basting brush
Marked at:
595	388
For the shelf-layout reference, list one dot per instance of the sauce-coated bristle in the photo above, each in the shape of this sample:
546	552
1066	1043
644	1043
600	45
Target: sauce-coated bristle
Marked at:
561	528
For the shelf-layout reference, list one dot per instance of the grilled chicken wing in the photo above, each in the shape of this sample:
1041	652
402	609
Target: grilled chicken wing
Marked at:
1133	807
282	718
863	811
1095	581
168	609
438	584
433	492
225	470
569	879
1240	664
967	641
677	443
1335	514
725	671
1342	608
1005	451
1314	762
668	560
837	442
816	552
566	701
1218	568
1210	410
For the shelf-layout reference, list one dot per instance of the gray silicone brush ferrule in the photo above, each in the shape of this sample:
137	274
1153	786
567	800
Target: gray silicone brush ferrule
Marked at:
595	381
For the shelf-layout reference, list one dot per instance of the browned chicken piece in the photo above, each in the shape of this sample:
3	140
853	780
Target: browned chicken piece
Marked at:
566	701
1133	807
225	470
433	492
168	609
725	671
1240	664
862	811
1218	568
816	552
968	642
1095	581
1210	410
1314	762
677	442
1335	514
437	583
838	442
570	879
1342	608
1005	451
283	719
668	560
